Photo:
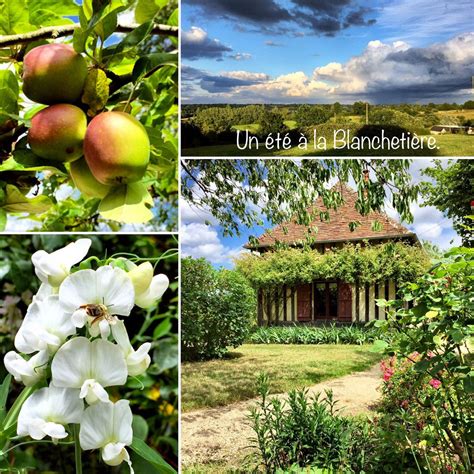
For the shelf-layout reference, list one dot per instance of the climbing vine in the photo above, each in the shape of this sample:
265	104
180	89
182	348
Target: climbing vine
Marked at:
364	263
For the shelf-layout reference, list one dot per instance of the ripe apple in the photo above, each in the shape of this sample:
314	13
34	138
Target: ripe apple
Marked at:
117	148
53	74
57	132
84	180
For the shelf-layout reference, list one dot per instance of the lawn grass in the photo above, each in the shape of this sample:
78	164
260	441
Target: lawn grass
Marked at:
220	382
449	145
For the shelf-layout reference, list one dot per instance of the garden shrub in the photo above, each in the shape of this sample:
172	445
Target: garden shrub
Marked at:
431	380
331	334
327	130
216	311
307	432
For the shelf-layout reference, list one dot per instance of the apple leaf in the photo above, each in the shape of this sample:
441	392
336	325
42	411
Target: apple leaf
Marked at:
15	201
14	17
96	91
128	203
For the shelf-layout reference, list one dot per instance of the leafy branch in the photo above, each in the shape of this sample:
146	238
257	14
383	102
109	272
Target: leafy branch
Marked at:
53	32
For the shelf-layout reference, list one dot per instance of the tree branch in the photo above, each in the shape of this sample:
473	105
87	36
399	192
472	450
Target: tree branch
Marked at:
53	32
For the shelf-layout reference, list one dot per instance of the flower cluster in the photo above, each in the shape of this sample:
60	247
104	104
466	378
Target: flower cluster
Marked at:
73	337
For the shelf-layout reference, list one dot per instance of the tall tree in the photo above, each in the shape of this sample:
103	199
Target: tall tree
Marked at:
241	193
452	192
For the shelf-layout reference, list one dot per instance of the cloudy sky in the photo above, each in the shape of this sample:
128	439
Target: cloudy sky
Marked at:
201	234
320	51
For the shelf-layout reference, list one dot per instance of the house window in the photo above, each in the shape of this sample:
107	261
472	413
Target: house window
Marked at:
325	300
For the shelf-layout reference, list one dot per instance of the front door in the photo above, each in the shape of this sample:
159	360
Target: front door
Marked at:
344	302
303	296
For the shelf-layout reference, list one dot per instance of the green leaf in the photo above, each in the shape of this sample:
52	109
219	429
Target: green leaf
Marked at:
379	346
166	355
48	13
9	92
14	17
96	91
140	427
150	62
4	388
3	223
147	9
468	383
16	202
24	159
162	329
128	204
131	40
150	455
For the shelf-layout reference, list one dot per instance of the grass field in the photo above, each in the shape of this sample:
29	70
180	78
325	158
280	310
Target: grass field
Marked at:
449	145
220	382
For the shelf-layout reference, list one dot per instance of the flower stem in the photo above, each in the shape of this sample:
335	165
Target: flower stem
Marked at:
77	446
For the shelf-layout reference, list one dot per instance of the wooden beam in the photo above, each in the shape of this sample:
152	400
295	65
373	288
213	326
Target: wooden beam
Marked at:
376	295
285	297
260	307
293	309
367	302
357	302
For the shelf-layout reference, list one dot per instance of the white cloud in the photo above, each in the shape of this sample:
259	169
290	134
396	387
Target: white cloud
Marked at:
201	241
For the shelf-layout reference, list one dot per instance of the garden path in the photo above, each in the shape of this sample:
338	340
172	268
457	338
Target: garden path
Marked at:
221	434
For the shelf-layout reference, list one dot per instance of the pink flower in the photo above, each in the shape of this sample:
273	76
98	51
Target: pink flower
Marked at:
387	375
435	383
404	404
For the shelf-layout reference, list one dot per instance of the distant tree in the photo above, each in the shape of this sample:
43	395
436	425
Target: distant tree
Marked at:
337	108
308	115
214	119
358	108
271	122
452	193
468	105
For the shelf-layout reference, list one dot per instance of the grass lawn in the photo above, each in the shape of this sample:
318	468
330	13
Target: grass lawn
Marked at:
449	145
220	382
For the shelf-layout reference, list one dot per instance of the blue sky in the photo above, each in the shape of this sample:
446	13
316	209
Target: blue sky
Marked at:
285	51
201	235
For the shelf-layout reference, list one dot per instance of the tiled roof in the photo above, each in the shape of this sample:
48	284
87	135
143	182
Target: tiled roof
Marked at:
336	229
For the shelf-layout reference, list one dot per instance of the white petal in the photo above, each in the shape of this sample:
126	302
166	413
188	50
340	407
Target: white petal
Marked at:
104	422
55	430
141	277
46	410
46	326
104	329
139	361
79	318
54	267
27	371
93	392
44	291
107	285
119	332
113	454
72	363
79	360
158	286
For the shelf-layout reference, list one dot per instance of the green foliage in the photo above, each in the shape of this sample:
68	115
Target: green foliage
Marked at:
153	396
328	129
271	122
390	116
307	432
331	334
239	193
216	310
437	328
352	263
135	73
310	115
452	192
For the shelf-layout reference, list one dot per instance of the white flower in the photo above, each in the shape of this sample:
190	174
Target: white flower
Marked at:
54	267
89	366
47	411
27	371
148	288
46	326
108	427
94	296
137	361
44	291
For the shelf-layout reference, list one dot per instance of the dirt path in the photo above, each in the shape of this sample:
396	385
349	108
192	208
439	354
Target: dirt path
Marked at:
220	435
